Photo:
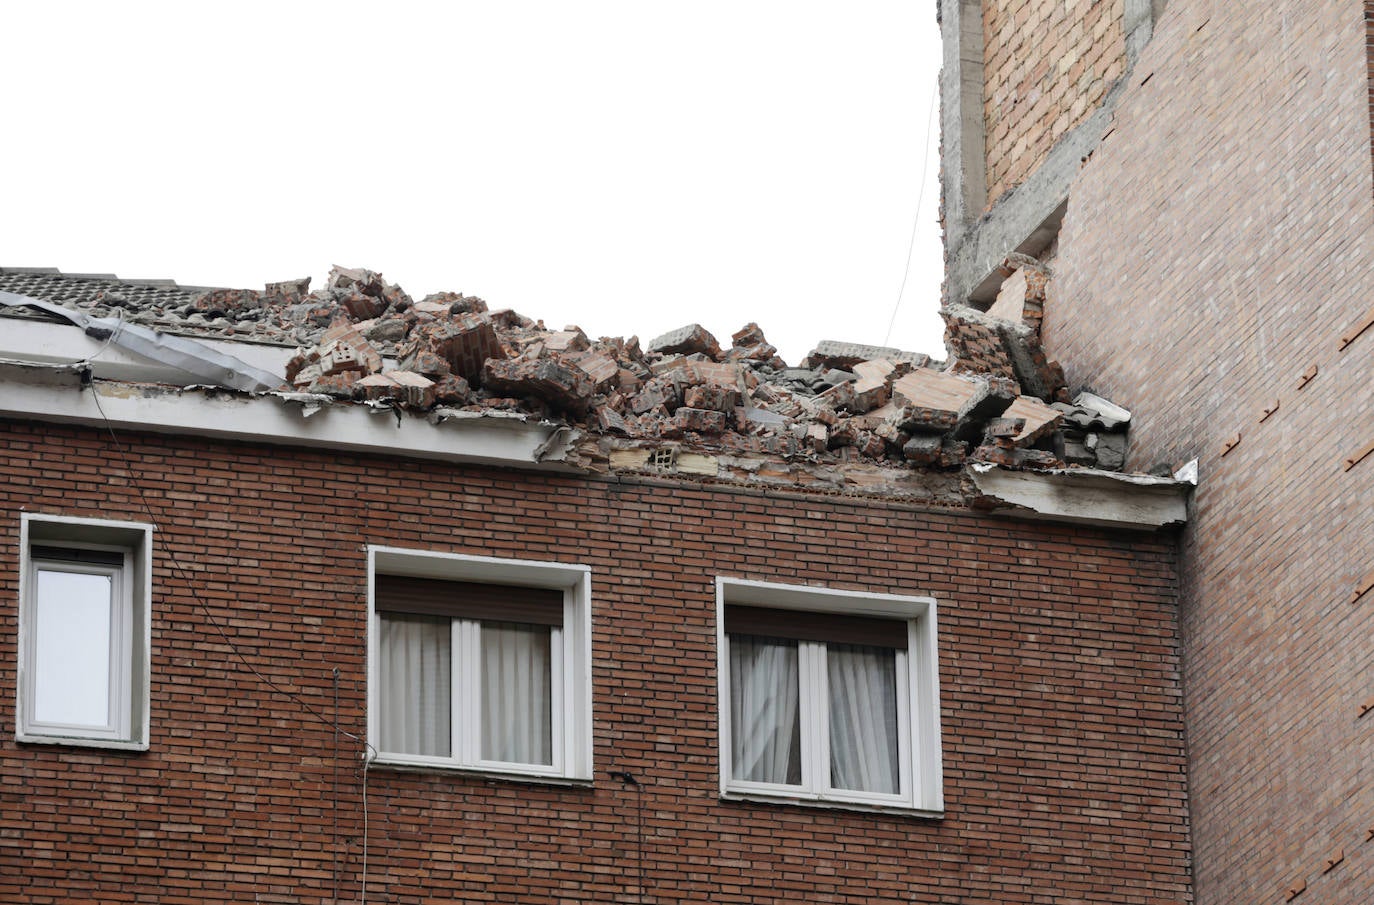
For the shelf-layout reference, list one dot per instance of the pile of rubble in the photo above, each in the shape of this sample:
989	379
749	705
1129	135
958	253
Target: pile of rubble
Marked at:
997	400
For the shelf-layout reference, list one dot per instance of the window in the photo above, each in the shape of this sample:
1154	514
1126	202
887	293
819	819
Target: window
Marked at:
480	663
828	696
83	632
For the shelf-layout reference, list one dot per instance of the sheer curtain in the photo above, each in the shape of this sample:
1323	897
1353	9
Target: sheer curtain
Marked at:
416	662
863	718
765	732
517	717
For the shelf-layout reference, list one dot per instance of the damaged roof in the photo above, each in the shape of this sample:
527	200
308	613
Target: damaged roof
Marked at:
878	414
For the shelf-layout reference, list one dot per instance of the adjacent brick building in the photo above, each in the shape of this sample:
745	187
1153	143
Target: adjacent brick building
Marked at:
1211	240
284	561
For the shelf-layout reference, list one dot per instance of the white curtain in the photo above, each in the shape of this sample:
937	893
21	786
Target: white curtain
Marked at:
517	724
765	732
863	718
416	663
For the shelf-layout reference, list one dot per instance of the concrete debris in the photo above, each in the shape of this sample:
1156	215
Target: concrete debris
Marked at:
1005	340
831	354
848	414
692	338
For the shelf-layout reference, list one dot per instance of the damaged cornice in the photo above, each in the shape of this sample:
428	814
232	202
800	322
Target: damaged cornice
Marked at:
187	356
290	419
1082	496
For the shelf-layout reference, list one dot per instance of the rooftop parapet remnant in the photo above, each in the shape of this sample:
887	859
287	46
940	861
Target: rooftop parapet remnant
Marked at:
362	339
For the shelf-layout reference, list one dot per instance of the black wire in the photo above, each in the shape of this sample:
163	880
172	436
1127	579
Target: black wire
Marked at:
209	616
335	803
628	778
639	840
371	752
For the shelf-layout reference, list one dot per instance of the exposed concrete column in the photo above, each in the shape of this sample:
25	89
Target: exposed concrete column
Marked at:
963	147
1138	24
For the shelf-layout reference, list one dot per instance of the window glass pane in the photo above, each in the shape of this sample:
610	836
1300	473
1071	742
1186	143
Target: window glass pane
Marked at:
72	647
863	718
765	724
415	656
517	714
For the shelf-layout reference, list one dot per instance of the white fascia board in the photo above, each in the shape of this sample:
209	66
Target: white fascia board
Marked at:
1084	496
48	395
45	343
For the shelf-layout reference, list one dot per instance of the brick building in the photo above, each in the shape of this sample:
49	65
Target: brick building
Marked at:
338	596
1197	177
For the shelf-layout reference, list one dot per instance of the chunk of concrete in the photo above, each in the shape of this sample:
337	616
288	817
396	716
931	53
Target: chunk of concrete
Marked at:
562	385
686	340
925	388
1040	419
833	354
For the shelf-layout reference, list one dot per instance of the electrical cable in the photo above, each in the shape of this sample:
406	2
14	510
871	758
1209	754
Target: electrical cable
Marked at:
370	752
628	778
916	217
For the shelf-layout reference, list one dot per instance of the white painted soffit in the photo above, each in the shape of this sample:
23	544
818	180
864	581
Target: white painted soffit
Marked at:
1083	496
285	419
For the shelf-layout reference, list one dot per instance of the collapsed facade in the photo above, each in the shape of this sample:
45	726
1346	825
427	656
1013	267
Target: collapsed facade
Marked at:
341	596
1198	179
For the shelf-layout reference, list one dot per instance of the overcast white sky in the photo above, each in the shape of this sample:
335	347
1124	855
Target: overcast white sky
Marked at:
629	167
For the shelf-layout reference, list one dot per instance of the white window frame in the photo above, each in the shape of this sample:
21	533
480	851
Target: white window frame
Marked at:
918	698
570	665
130	629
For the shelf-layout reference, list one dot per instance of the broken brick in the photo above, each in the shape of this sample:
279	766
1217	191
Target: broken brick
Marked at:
922	449
913	418
935	390
1040	419
375	387
817	437
571	340
686	340
221	302
844	433
601	369
287	291
953	453
561	385
422	361
995	454
609	420
343	349
354	279
456	302
362	307
830	353
701	421
1005	427
452	390
465	342
871	445
416	390
1037	458
975	344
714	398
339	385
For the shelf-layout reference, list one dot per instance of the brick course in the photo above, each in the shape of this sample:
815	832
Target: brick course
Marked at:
1048	65
1218	244
1063	752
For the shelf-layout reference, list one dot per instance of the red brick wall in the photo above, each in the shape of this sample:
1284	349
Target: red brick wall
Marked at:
1219	243
1048	65
1063	750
